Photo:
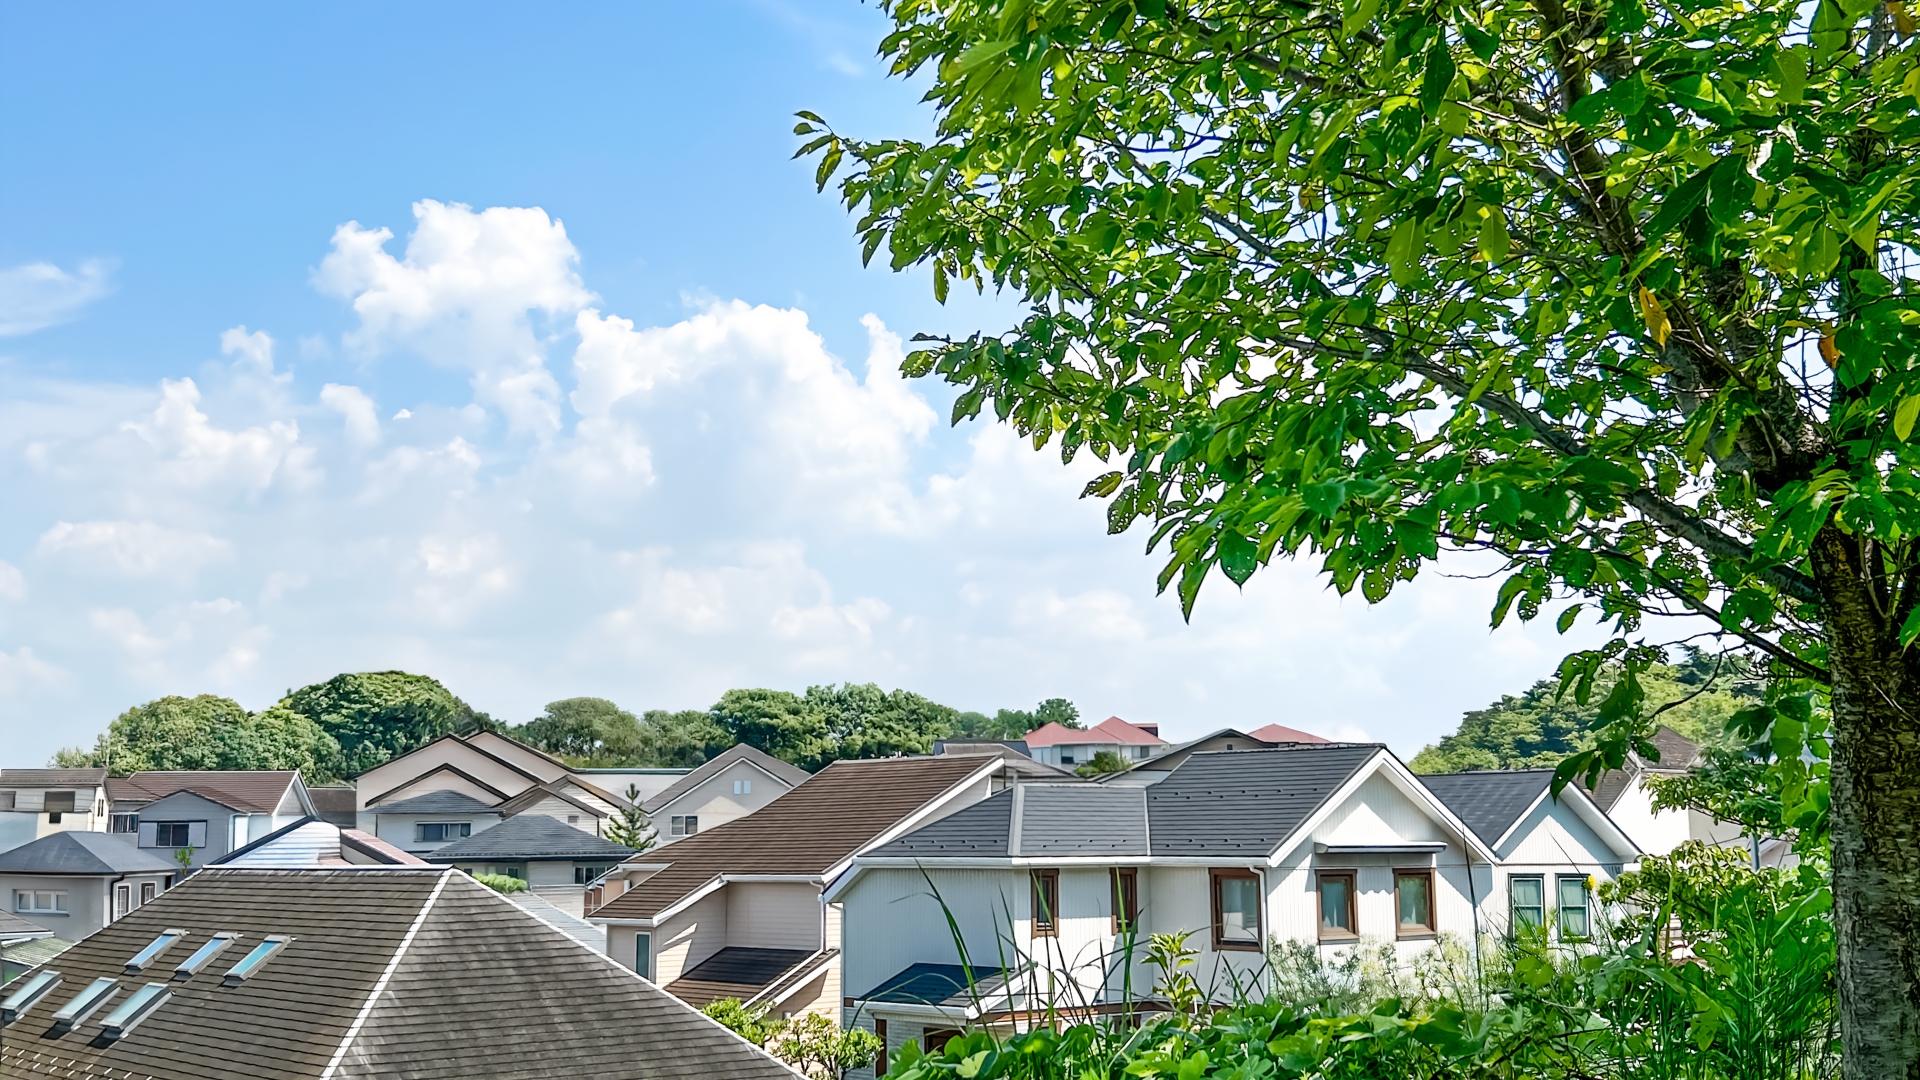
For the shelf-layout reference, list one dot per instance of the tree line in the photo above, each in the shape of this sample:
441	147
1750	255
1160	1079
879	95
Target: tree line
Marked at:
337	729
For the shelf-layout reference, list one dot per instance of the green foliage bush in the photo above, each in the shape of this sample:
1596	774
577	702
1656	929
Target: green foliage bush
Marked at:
502	883
754	1023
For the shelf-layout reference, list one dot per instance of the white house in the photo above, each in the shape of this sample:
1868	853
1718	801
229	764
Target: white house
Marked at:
209	812
1626	794
73	882
1065	747
36	802
1327	844
426	823
735	783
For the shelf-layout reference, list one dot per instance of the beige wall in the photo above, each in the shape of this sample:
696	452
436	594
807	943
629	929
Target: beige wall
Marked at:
401	770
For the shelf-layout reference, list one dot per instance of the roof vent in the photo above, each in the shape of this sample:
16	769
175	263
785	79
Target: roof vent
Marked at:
135	1009
191	965
251	962
84	1003
26	994
153	950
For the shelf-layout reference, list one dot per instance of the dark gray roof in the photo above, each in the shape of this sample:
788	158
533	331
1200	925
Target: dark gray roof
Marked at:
530	836
12	925
475	986
74	852
980	830
735	972
790	775
437	802
938	984
1490	800
1055	819
1246	802
334	803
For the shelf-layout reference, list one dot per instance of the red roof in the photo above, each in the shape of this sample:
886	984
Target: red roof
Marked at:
1278	733
1111	730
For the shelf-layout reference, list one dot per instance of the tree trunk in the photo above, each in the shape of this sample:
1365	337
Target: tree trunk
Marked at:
1875	815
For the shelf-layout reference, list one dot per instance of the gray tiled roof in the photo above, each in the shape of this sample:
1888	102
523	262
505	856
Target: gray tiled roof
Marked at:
52	778
938	984
74	852
1055	819
475	986
735	972
12	925
1491	800
530	836
437	802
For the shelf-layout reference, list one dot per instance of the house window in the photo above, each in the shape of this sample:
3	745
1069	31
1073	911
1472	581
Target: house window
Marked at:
53	818
573	820
124	823
1413	899
1126	898
1066	757
643	955
147	890
936	1040
122	900
7	800
1046	902
40	901
685	826
1338	918
439	832
743	787
587	875
880	1062
1527	898
1236	909
1575	920
59	802
172	834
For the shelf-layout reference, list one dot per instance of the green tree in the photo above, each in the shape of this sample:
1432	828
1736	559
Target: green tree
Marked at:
1106	761
754	1023
1015	723
1617	292
778	722
812	1043
631	825
1056	711
588	732
208	732
377	716
680	740
865	721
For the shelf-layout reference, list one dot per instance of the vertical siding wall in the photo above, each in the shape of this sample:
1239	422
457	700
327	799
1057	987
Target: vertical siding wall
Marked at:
892	920
769	915
689	937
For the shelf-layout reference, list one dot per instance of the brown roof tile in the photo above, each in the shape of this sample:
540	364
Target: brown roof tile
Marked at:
254	791
836	812
52	778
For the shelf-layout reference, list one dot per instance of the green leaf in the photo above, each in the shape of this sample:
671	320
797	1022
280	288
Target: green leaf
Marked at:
1237	556
1495	244
1103	485
1681	201
975	56
1910	630
1483	44
1567	617
1438	78
1509	591
1904	416
1404	249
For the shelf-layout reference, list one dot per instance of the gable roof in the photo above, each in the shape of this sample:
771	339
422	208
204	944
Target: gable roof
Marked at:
249	790
1280	733
1244	803
1051	819
52	778
74	852
540	793
529	836
1677	754
790	775
443	767
1490	801
437	802
388	972
1111	730
804	833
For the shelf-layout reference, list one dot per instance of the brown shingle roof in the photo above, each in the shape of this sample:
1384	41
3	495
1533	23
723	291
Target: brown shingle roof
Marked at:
792	775
254	791
480	988
838	811
52	778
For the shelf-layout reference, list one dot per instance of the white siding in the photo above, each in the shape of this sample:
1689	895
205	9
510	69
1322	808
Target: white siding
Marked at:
561	810
415	766
892	920
770	915
400	830
689	937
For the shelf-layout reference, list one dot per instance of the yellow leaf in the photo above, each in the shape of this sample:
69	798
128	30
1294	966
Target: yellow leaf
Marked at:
1655	317
1904	416
1902	19
1829	351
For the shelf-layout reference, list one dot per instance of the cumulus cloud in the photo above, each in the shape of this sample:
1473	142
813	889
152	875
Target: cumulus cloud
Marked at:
253	350
462	297
21	667
132	548
13	584
39	295
195	453
352	403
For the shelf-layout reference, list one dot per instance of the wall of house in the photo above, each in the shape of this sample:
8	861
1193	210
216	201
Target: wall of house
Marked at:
28	821
562	810
891	920
714	802
89	899
1655	833
401	829
538	764
650	782
550	872
772	915
1550	842
689	937
223	826
392	775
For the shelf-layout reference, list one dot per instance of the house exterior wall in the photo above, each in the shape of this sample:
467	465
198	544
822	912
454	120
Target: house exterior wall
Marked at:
28	820
561	810
1552	841
223	826
400	830
773	915
537	764
415	766
89	899
649	782
715	802
687	938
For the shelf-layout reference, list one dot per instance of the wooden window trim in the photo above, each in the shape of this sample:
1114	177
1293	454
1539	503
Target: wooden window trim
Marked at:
1353	906
1126	914
1545	906
1214	878
1051	926
1403	931
880	1062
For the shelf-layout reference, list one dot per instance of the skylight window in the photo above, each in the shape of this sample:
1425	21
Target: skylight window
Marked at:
135	1009
249	963
192	965
153	950
85	1002
26	994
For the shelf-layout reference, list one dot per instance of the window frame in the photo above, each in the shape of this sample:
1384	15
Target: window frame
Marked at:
148	891
131	821
122	899
1513	906
1431	928
643	954
420	831
1050	926
170	826
1220	943
59	897
1560	907
1352	878
1125	887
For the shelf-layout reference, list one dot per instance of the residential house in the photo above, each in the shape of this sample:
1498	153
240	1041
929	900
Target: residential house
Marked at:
429	822
556	860
25	945
493	770
73	883
736	910
1053	744
1280	734
35	802
1550	849
735	783
208	812
1328	845
348	974
1627	797
1159	767
312	843
634	785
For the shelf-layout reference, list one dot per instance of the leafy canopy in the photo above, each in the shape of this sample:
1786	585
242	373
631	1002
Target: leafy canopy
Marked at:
1618	291
208	732
377	716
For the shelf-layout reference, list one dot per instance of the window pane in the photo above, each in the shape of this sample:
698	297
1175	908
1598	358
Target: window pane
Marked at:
1573	907
1336	903
1239	909
1416	907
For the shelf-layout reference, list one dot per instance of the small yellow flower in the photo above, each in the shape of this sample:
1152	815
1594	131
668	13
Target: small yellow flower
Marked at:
1589	882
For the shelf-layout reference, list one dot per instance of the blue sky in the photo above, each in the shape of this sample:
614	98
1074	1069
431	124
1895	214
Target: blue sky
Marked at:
654	442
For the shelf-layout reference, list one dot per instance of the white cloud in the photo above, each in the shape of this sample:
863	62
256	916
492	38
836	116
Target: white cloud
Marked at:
21	667
444	470
456	575
194	453
254	350
351	402
13	584
212	643
39	295
461	297
132	548
1094	615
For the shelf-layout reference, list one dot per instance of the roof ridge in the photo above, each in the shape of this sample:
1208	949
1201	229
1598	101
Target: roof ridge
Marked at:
380	987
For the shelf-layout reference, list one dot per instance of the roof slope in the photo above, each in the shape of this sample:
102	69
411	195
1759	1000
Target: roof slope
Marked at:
1490	800
333	803
1244	803
806	831
983	829
1280	733
791	775
254	791
52	778
74	852
530	836
1111	730
437	802
735	972
455	958
12	925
